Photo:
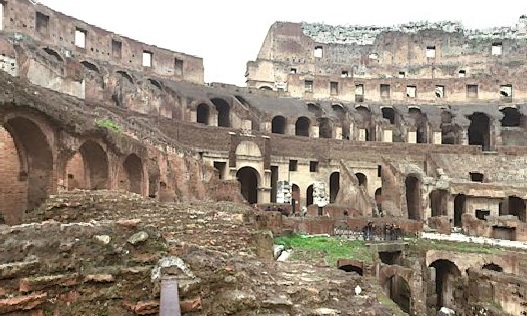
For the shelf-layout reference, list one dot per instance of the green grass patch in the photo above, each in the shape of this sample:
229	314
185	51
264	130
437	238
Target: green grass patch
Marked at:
427	244
327	249
109	124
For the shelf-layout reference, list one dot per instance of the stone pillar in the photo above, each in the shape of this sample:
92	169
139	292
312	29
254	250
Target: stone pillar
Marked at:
437	138
169	303
314	132
193	116
464	136
338	132
387	136
290	129
412	137
362	135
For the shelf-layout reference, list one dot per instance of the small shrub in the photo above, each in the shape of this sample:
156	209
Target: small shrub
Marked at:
109	124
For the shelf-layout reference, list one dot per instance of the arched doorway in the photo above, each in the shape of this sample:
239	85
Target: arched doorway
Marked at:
439	202
278	125
334	186
492	267
302	126
362	179
309	195
352	268
378	199
447	277
248	178
295	195
399	292
223	109
88	168
131	175
413	197
203	114
26	168
459	208
479	130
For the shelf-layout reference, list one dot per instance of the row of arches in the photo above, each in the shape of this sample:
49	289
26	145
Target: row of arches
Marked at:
204	116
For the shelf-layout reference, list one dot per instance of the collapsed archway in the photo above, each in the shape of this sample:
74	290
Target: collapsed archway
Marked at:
447	276
413	197
302	126
352	268
26	167
248	178
203	114
398	290
278	125
88	168
224	112
479	130
334	186
131	174
459	208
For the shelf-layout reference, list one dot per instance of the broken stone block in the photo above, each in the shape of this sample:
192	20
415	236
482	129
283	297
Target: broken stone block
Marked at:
138	237
21	303
103	239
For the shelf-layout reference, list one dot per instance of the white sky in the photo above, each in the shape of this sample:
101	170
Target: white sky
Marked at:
228	33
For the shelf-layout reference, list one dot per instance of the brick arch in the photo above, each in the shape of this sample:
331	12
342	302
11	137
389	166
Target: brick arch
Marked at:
386	276
131	174
50	51
205	111
88	168
28	160
349	265
476	260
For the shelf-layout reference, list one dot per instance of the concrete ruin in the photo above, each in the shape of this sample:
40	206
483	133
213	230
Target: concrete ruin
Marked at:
422	125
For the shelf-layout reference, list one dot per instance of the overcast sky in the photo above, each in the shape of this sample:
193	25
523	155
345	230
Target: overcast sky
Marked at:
228	33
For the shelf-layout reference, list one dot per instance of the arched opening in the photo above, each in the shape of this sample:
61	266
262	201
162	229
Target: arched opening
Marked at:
309	195
388	113
202	114
223	109
511	117
266	88
302	126
492	267
88	168
459	208
352	268
334	186
314	108
447	276
126	76
155	83
278	125
295	195
516	207
413	197
90	66
362	179
325	129
439	202
338	108
248	178
479	130
154	175
131	175
398	290
54	54
378	199
26	168
390	257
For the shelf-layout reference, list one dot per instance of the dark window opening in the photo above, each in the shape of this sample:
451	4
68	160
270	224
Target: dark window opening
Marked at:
278	125
274	183
389	114
476	177
248	178
313	166
482	214
90	66
385	91
223	109
117	48
413	197
390	257
203	114
293	165
292	71
511	117
302	126
479	130
220	167
492	267
379	171
440	92
352	268
345	74
42	23
308	85
472	91
325	129
459	208
178	67
362	179
334	88
334	186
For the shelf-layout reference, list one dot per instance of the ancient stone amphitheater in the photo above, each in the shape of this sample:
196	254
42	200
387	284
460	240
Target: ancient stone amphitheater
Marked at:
122	171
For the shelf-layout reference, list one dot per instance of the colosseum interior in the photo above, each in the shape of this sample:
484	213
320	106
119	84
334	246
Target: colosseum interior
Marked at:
129	186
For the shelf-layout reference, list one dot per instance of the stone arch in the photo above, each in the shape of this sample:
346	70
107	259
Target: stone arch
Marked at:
51	52
460	202
203	114
155	83
224	112
302	126
362	179
278	125
447	277
325	128
265	88
314	108
338	108
388	113
479	130
90	66
352	268
26	168
124	75
249	179
334	186
398	290
88	168
309	195
378	198
492	266
439	202
413	197
131	174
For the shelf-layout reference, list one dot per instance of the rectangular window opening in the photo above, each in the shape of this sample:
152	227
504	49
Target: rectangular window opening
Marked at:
313	166
116	48
440	92
497	49
379	171
42	23
293	165
178	67
318	52
462	73
220	166
430	52
411	91
359	93
472	91
334	88
2	9
308	84
476	176
373	56
402	74
385	91
293	71
80	38
345	74
147	58
506	92
482	214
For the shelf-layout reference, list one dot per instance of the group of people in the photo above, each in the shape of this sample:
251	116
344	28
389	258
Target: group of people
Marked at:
383	232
